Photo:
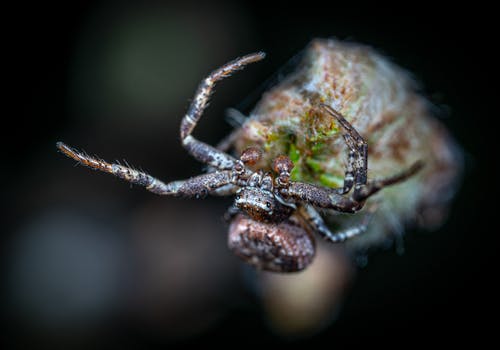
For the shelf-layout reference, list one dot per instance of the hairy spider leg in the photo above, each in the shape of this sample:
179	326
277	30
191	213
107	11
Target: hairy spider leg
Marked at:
376	185
316	222
200	150
217	183
328	198
357	164
195	187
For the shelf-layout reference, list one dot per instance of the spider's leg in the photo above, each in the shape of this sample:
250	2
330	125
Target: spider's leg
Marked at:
324	197
357	164
230	213
236	119
200	150
349	175
320	197
196	187
226	190
316	222
374	186
227	142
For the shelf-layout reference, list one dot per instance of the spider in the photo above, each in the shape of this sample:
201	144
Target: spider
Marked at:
273	218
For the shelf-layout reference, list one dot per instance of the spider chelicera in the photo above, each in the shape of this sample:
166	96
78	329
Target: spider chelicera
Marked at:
273	217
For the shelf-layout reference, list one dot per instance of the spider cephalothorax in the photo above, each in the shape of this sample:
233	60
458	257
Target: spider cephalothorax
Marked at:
273	217
259	195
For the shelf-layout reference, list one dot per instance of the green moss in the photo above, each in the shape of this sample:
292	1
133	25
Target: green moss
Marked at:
332	181
314	165
294	153
317	147
306	148
312	145
295	174
332	131
270	141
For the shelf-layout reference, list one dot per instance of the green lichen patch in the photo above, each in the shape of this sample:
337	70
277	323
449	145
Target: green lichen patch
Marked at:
308	146
332	181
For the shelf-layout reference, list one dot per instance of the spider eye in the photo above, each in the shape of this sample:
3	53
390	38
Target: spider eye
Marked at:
268	205
238	197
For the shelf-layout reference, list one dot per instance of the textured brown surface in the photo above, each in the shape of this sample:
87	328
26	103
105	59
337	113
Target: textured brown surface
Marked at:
280	247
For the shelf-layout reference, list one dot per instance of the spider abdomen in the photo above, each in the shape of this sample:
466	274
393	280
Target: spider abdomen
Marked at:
283	247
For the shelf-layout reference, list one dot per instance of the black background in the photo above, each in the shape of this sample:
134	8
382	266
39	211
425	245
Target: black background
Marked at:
439	288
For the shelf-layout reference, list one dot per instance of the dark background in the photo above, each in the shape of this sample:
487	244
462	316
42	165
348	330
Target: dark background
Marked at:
60	58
